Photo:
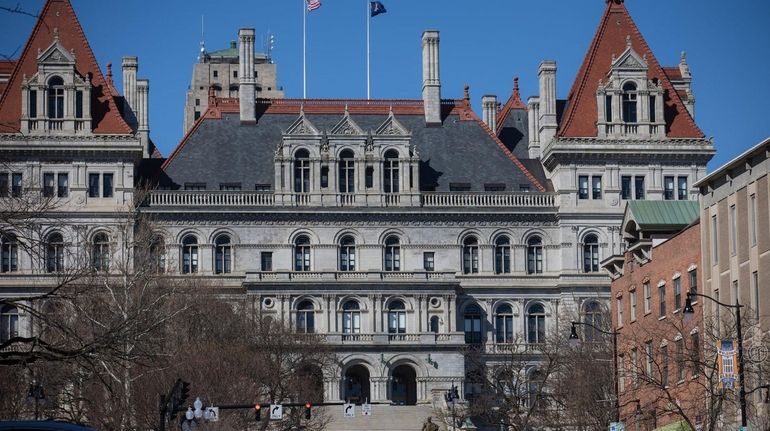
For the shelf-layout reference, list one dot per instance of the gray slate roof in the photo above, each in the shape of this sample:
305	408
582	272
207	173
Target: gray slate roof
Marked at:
225	151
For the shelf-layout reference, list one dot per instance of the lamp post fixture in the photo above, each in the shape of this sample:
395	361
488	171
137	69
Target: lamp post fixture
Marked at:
35	395
688	312
574	340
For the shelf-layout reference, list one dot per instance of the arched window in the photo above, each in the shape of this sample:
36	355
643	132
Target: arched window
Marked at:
593	316
629	102
302	172
347	253
158	254
351	317
100	252
535	255
54	253
396	318
305	318
434	324
302	253
9	322
189	255
472	324
503	255
504	324
392	253
9	253
470	255
590	253
55	97
347	172
391	184
535	323
222	254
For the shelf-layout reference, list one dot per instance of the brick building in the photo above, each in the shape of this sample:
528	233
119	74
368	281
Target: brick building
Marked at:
659	353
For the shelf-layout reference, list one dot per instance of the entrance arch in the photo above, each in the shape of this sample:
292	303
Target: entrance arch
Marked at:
355	385
403	386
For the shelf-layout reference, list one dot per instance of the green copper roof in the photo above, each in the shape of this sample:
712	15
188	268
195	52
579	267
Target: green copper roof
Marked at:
676	426
664	213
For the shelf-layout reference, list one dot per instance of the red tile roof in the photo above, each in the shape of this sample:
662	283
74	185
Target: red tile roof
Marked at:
673	72
580	116
6	68
514	102
58	14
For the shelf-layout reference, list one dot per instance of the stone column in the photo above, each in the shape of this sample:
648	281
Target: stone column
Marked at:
247	84
431	82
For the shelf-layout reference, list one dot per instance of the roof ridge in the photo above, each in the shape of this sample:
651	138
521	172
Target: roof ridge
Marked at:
508	152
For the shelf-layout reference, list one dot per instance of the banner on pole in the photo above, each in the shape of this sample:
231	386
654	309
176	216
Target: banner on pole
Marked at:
727	361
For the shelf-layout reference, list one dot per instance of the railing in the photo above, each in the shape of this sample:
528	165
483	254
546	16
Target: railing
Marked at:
630	129
403	337
384	338
55	124
79	125
202	198
348	276
357	337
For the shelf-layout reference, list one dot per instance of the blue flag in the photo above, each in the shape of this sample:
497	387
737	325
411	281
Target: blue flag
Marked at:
377	8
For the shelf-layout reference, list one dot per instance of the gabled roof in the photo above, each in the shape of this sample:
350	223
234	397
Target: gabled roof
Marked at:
514	102
662	215
58	15
580	116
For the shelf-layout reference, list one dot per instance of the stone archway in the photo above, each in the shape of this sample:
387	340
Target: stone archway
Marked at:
355	384
403	385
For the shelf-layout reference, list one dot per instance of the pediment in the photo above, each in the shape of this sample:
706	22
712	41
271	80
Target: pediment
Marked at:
347	126
56	54
392	127
302	126
630	60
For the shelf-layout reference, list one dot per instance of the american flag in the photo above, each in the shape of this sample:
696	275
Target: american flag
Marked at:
313	5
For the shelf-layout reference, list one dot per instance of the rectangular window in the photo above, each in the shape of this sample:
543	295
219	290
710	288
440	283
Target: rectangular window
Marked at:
620	311
639	188
459	187
733	230
235	73
634	367
32	106
596	186
677	293
625	187
429	261
324	176
216	73
48	185
755	289
369	177
664	366
695	353
694	281
583	187
3	184
680	360
621	373
262	187
197	115
230	187
668	189
633	305
93	185
647	298
753	221
681	187
648	360
524	188
16	182
63	185
652	109
662	299
266	260
195	186
78	104
608	108
494	187
106	185
714	242
197	102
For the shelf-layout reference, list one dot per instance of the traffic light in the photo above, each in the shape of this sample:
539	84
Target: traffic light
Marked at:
258	412
184	393
307	411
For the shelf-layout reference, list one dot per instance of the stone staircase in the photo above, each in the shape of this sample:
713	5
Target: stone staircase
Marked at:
385	417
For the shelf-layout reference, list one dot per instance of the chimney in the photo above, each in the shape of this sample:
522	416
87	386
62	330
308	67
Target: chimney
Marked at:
533	120
489	111
143	114
130	67
431	83
547	74
246	75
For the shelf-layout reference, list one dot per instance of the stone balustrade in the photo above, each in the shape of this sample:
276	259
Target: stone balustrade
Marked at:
351	276
421	339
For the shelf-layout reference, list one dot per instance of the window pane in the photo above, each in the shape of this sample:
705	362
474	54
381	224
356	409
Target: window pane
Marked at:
107	185
48	183
93	185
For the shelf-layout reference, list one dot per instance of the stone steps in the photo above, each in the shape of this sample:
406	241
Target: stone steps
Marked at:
385	417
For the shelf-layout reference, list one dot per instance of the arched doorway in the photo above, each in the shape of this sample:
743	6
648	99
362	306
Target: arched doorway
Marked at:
355	385
403	386
310	383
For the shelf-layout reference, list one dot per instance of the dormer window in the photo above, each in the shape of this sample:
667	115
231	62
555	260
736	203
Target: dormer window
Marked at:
55	98
302	172
391	171
629	103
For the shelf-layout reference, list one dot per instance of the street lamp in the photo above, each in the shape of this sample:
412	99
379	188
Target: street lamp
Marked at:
688	312
35	395
574	341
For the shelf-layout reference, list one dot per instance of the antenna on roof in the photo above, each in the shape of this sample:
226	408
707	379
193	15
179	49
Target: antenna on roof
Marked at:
270	46
203	43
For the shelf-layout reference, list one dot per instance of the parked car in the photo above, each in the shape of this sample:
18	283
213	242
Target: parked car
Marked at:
42	426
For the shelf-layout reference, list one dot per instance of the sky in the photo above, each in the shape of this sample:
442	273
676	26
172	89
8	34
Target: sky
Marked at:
484	44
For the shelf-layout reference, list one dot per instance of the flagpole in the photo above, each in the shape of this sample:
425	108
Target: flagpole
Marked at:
368	19
304	49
